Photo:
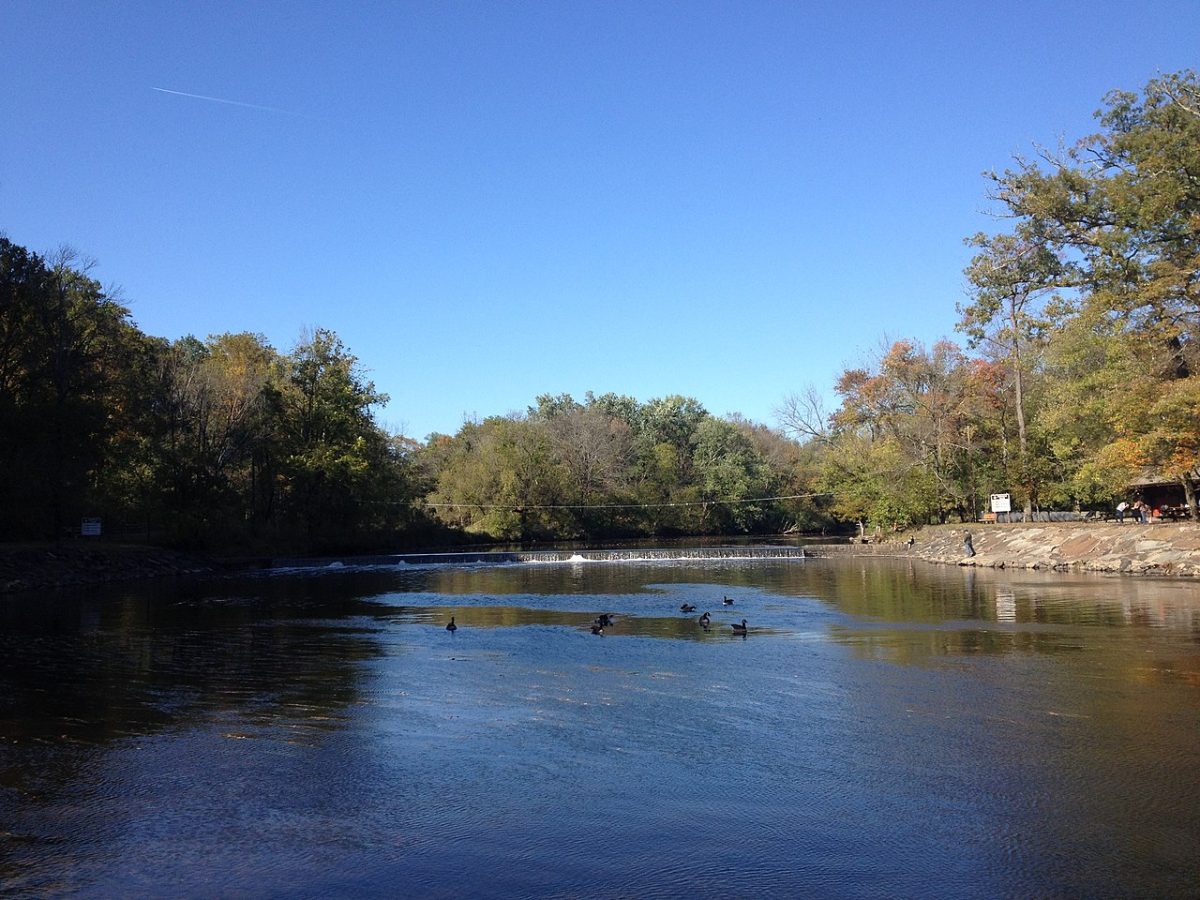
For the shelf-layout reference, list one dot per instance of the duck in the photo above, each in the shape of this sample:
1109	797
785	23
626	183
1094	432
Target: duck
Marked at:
728	601
704	620
452	627
604	620
740	629
687	607
597	629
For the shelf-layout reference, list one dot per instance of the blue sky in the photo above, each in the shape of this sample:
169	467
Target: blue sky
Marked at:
488	201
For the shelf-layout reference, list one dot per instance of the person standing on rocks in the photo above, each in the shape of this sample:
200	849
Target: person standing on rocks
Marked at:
968	547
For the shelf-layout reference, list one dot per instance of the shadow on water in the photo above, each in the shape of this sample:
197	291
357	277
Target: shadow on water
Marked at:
85	673
160	656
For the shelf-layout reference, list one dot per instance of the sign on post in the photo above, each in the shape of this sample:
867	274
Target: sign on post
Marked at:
1001	503
89	527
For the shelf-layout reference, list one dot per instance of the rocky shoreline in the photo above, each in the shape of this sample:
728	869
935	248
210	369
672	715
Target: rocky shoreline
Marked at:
32	567
1167	549
1171	549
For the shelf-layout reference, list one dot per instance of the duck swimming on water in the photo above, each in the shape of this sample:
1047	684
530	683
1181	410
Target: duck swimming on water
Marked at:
597	629
452	627
687	607
740	629
728	601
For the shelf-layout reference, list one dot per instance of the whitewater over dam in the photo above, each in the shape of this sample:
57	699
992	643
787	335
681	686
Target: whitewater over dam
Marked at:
640	554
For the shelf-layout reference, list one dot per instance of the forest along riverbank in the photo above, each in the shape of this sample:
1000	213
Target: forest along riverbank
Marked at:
1160	549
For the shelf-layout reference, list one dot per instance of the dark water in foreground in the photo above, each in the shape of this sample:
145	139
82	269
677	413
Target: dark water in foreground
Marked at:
887	729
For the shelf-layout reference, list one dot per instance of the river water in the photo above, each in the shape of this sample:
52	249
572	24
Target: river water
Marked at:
884	729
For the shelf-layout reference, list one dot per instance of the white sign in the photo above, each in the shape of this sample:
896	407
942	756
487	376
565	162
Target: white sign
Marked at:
89	527
1001	503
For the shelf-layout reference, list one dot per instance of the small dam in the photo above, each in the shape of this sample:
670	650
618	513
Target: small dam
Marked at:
502	557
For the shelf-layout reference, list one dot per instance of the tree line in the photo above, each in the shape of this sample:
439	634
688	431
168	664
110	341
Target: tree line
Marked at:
1078	374
1084	315
228	443
612	466
222	442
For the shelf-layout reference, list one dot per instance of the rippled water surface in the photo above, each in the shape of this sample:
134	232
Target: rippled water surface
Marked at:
884	729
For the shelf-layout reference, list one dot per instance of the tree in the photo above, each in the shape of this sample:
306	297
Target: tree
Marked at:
793	470
66	351
220	454
595	450
337	463
730	472
900	446
1124	204
500	478
1009	277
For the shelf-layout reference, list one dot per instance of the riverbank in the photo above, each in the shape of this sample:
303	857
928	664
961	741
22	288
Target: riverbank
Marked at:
1161	549
30	567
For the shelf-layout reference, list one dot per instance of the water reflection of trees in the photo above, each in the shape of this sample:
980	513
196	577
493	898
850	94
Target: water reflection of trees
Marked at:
684	627
997	612
82	672
942	612
913	591
920	646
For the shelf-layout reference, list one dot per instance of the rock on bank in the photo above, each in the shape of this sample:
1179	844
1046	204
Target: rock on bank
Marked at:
1161	549
27	567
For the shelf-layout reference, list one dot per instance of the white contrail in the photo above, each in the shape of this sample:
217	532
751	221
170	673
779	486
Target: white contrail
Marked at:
273	109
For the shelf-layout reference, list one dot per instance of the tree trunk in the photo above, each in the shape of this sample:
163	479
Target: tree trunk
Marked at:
1022	440
1189	495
